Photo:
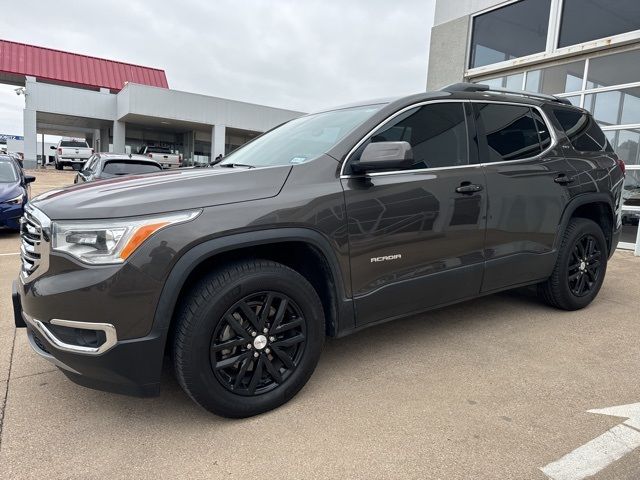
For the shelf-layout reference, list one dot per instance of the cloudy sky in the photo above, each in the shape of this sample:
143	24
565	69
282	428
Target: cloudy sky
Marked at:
297	54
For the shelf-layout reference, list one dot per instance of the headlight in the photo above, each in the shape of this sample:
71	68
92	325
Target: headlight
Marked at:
110	241
17	200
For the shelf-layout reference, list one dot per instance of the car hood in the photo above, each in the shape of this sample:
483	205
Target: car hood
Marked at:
173	190
9	190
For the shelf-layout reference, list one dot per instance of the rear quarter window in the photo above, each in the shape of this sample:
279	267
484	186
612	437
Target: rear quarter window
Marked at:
583	132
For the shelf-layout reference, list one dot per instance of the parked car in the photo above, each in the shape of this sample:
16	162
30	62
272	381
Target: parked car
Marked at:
328	224
163	155
73	152
109	165
14	192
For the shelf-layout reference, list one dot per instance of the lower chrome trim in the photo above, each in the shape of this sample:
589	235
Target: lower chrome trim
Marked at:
47	356
108	329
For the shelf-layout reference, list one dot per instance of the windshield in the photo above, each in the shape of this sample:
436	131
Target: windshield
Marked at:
8	172
302	139
119	167
74	144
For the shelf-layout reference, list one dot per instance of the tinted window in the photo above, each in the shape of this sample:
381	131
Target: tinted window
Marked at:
121	167
582	130
510	130
559	79
73	144
583	21
437	134
512	31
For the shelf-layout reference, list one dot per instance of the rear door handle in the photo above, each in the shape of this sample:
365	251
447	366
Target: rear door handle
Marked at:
467	188
563	179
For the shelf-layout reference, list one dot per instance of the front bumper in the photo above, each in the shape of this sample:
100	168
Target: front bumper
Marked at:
10	216
130	367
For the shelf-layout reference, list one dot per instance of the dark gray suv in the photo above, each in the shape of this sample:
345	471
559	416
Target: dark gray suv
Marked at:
330	223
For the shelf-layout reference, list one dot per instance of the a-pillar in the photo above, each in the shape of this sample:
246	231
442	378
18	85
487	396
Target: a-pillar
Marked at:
218	135
119	132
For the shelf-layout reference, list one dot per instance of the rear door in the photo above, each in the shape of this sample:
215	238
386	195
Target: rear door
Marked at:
525	172
416	236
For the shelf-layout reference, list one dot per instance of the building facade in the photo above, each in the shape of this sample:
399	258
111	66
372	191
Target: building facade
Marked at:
587	51
121	107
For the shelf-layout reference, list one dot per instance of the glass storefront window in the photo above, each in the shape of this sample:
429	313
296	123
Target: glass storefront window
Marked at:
618	107
583	21
626	144
513	31
510	82
614	69
558	79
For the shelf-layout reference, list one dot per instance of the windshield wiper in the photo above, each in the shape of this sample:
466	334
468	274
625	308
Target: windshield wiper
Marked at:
234	165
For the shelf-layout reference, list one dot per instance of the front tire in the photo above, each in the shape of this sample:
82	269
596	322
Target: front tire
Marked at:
248	337
580	267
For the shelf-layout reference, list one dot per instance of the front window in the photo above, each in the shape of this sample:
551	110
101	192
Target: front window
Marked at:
513	31
8	173
302	139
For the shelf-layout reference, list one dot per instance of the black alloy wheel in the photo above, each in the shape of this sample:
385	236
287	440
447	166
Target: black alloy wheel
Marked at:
584	266
259	343
580	266
247	337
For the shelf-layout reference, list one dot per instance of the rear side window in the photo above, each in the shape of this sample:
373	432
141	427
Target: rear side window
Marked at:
437	134
583	132
512	132
118	167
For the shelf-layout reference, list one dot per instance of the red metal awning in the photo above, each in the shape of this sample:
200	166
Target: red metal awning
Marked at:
82	70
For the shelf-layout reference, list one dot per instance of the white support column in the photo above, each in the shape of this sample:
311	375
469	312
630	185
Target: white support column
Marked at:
218	136
104	140
96	139
119	133
30	138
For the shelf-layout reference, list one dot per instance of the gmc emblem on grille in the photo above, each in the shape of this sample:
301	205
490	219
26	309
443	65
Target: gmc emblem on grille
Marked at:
386	258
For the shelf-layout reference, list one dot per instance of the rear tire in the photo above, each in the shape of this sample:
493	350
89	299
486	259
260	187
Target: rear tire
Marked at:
223	357
580	267
58	165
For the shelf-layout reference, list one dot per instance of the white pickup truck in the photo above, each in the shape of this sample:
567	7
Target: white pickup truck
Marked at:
163	155
72	151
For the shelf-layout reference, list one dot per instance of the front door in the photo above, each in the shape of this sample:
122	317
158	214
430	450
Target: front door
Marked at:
416	236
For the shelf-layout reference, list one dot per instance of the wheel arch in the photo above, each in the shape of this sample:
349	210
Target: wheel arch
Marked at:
593	206
325	274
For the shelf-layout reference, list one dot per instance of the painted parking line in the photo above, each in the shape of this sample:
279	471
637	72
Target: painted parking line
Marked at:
598	453
7	254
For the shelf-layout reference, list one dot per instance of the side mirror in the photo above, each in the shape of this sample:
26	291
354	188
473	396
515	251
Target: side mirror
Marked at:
29	179
384	156
52	147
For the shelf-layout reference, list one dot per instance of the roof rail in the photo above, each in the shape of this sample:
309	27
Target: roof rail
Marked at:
481	87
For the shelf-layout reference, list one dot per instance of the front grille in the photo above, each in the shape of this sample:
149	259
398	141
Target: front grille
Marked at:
30	243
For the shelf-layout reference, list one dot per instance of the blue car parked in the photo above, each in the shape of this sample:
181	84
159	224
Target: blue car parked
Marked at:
14	192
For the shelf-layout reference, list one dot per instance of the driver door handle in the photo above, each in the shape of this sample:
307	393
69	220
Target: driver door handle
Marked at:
563	179
468	188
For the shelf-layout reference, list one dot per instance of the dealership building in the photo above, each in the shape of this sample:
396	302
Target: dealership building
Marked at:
121	107
587	51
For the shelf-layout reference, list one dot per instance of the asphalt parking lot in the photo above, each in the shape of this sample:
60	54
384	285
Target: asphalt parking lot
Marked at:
495	388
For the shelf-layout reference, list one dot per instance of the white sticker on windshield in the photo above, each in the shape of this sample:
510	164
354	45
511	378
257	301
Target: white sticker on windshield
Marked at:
297	160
